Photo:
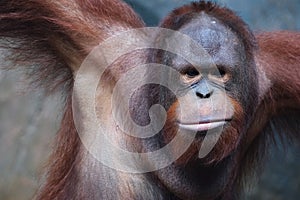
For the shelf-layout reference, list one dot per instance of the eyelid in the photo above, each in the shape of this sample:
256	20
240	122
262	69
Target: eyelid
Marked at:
222	74
191	81
185	69
194	76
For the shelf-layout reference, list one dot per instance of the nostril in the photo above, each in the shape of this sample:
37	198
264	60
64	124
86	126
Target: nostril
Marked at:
204	95
203	89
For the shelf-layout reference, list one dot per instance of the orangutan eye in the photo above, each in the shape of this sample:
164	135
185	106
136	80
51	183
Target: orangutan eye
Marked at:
191	72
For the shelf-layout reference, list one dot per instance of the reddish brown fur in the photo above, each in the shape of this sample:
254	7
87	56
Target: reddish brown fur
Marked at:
278	65
51	38
279	58
279	54
58	35
63	160
222	149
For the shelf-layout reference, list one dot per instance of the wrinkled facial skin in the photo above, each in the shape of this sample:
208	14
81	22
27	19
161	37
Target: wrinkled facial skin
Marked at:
217	87
201	93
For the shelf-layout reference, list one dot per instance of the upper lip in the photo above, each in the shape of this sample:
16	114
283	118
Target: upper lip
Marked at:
205	121
203	125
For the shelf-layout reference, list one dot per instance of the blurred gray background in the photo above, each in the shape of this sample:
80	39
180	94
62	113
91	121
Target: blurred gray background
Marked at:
28	121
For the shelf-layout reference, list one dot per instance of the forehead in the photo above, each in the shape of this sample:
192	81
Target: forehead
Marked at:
216	38
209	31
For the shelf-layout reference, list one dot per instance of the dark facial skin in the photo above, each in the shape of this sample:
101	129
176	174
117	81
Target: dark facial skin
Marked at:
208	80
225	74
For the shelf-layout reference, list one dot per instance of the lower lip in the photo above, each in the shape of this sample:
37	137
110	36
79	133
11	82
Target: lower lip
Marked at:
202	127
